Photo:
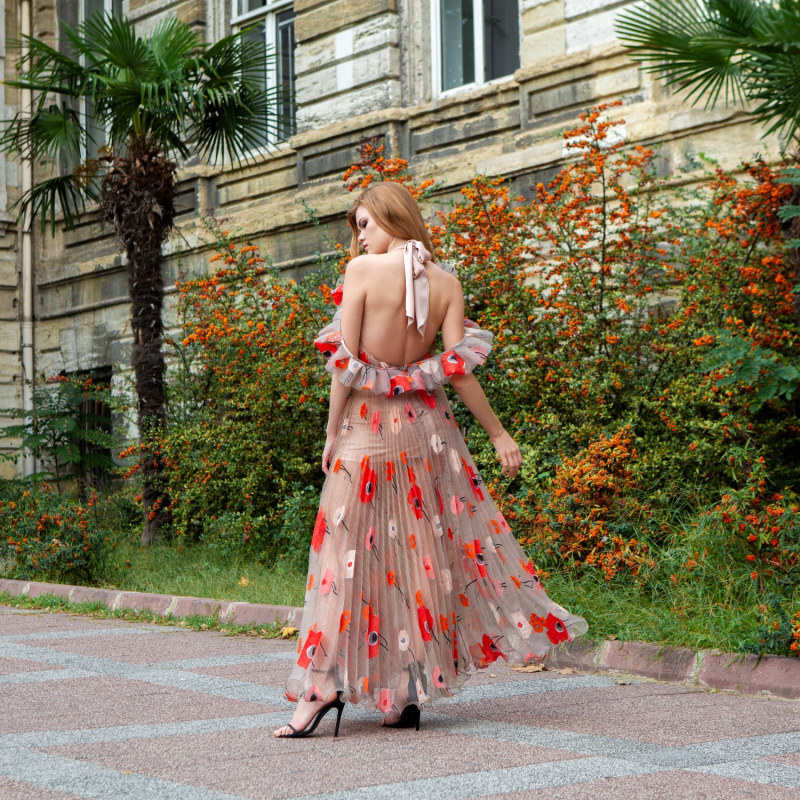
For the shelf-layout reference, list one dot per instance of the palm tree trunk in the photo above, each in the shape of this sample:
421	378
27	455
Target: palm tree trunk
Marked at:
137	196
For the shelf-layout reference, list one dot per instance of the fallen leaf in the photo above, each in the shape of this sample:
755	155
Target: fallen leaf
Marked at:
287	632
492	675
243	581
565	671
529	668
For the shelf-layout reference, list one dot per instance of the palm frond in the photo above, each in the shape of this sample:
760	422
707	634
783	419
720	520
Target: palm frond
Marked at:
65	194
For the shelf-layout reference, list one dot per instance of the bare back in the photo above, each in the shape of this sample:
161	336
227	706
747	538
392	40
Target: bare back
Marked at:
374	309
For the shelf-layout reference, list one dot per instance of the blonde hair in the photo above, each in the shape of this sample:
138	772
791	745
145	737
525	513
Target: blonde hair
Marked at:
394	209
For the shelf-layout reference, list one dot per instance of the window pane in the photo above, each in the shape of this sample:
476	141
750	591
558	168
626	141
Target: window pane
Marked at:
93	7
458	50
500	38
245	6
284	38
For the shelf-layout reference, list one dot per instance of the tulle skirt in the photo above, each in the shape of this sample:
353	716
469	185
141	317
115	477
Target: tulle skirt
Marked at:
415	579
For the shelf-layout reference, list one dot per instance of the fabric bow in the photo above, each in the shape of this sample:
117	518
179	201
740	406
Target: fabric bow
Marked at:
417	291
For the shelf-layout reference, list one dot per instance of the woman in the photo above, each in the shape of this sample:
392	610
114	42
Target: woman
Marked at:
414	579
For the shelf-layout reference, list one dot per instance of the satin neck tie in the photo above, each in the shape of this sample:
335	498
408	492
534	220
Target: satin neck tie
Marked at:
417	295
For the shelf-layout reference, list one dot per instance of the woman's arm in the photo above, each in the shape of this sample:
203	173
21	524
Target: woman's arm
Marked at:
471	393
339	394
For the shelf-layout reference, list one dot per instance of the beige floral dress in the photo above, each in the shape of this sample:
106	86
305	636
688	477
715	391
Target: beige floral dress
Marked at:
415	578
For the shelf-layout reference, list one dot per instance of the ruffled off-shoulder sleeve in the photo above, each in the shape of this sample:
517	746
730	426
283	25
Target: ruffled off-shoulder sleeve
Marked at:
361	373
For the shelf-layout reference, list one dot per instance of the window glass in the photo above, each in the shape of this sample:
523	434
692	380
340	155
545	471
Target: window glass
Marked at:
500	38
478	39
274	31
458	34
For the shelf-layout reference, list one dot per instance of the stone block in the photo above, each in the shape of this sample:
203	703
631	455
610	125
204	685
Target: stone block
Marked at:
90	594
585	33
260	614
579	8
578	655
337	16
14	588
195	606
349	105
57	589
470	128
347	75
372	34
545	14
143	601
543	45
650	660
770	674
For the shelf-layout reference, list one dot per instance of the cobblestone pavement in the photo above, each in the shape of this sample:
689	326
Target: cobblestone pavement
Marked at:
107	709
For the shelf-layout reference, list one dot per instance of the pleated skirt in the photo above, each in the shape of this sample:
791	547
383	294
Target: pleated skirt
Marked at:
415	579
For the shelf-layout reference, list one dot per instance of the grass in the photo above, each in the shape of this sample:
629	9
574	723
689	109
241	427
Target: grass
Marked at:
196	570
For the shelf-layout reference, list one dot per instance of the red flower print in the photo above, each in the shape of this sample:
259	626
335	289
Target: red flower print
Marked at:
375	422
425	619
429	398
368	482
373	640
469	548
490	650
320	526
341	363
443	623
327	582
438	678
452	364
310	582
363	411
428	564
415	498
389	470
412	541
517	581
410	414
369	540
439	500
474	480
385	701
464	600
556	632
309	648
494	526
479	560
537	623
337	295
398	385
528	567
327	348
390	577
344	621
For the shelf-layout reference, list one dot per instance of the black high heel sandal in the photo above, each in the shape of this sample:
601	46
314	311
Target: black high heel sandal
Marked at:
338	704
409	718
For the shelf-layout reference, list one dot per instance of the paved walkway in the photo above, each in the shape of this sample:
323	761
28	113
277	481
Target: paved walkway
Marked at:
106	709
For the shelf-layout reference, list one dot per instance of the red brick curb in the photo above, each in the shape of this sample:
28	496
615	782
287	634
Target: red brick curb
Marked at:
228	612
774	675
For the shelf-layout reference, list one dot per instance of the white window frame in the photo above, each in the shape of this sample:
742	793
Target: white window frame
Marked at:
268	12
478	38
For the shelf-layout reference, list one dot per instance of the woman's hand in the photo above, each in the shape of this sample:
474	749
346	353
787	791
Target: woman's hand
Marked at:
508	452
326	452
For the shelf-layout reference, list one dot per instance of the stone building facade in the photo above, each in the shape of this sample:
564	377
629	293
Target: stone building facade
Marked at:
457	88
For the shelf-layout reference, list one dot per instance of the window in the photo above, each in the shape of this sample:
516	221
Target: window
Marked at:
271	24
73	14
478	41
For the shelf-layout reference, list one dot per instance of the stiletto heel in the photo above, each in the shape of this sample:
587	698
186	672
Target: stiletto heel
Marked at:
409	718
338	704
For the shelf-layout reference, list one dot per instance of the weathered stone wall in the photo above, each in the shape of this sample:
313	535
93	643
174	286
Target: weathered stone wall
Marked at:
363	69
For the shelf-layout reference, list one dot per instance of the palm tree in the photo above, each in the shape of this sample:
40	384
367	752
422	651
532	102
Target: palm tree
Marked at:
158	99
734	50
